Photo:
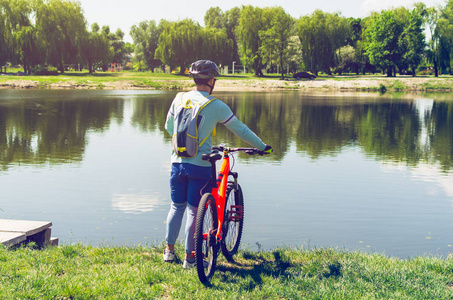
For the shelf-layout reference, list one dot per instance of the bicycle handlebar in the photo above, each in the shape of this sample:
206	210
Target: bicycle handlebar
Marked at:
249	151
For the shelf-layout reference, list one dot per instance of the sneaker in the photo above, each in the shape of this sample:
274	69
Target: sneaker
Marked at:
190	265
169	256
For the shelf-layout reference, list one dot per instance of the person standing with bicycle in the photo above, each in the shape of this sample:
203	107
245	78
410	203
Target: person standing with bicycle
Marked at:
190	176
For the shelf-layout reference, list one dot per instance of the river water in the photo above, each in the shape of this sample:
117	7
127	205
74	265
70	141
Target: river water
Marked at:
357	172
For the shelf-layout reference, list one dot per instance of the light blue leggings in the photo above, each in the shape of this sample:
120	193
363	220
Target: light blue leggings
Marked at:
174	220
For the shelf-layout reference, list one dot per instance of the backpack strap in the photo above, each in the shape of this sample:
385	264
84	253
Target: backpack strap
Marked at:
204	103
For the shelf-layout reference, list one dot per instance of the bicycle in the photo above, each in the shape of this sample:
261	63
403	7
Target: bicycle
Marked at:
220	216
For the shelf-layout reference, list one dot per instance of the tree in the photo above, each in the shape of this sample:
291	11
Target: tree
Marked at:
96	48
346	58
4	38
431	19
294	54
29	50
118	45
231	21
445	25
384	34
276	39
413	40
179	43
321	34
214	18
251	22
227	21
216	45
62	26
19	43
146	39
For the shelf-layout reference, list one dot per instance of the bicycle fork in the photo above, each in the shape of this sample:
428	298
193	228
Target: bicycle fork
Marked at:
236	212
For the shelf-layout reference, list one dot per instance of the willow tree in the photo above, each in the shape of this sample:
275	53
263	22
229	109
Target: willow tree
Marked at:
251	21
96	49
227	21
20	42
180	44
321	34
216	46
276	39
146	39
4	41
63	27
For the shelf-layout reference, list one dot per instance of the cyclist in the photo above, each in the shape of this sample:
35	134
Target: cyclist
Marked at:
190	176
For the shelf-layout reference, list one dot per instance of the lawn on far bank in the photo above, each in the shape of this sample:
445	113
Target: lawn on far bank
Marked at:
163	81
86	272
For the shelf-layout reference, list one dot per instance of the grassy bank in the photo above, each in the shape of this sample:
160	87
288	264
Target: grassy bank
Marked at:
161	81
85	272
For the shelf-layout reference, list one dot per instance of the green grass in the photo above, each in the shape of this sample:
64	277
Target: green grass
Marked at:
164	81
86	272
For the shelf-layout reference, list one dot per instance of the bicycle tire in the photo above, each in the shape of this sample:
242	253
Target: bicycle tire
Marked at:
205	239
233	221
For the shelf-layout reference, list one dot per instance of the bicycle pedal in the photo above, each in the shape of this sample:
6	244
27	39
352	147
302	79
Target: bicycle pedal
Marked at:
236	213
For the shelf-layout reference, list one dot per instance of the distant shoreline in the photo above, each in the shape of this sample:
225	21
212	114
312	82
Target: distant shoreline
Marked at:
131	81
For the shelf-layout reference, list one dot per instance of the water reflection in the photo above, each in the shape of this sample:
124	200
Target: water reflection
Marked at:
137	203
42	130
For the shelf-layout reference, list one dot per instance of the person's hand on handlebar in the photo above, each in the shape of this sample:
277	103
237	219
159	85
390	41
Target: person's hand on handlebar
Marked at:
267	150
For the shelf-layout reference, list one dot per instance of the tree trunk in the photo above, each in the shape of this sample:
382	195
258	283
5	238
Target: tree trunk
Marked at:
436	72
281	64
389	71
61	67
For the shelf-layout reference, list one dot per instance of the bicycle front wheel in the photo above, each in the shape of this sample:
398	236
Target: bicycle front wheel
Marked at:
233	221
205	238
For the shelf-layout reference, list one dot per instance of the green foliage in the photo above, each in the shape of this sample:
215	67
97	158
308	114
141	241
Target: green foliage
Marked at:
227	21
384	33
44	70
63	28
321	34
216	45
53	32
252	21
179	44
96	49
276	39
412	41
146	39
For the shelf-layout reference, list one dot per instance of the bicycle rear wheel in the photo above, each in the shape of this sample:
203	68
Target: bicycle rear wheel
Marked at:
205	237
233	221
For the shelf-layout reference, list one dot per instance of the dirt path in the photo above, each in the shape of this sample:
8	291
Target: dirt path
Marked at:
338	83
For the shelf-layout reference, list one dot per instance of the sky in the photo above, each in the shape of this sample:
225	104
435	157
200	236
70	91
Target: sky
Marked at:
126	13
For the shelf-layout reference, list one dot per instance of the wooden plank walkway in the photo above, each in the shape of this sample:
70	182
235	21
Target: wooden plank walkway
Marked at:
15	232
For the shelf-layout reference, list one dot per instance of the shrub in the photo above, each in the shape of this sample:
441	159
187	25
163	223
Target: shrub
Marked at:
44	70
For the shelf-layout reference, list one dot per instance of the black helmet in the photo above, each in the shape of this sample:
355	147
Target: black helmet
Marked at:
204	69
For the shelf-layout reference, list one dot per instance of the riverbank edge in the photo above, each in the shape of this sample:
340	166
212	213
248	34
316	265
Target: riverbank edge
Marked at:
329	83
138	272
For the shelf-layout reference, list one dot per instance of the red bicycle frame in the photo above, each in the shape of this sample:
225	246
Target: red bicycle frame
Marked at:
219	192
